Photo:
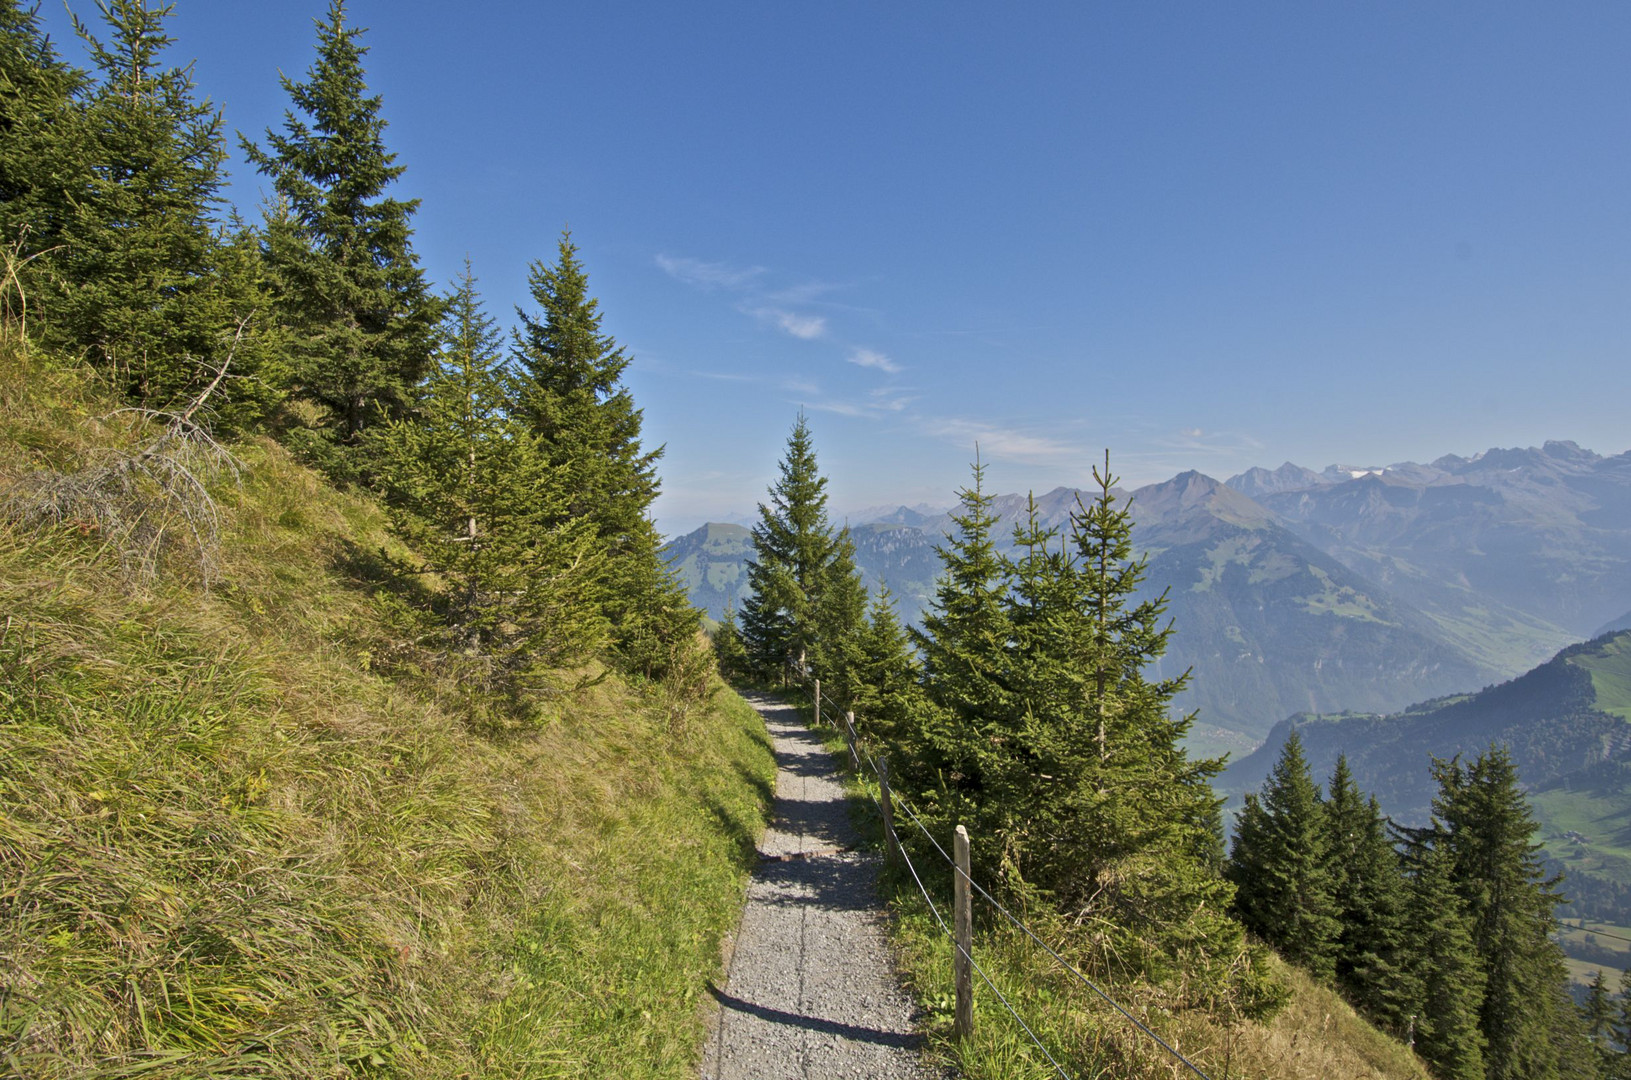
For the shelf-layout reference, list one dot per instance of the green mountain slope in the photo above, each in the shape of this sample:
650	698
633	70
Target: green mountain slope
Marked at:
712	562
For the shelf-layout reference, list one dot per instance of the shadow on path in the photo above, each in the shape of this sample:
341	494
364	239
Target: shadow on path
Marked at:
813	1023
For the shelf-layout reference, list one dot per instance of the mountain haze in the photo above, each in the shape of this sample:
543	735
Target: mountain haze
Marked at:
1567	725
1513	552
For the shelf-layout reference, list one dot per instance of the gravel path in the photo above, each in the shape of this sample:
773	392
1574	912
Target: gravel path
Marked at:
811	991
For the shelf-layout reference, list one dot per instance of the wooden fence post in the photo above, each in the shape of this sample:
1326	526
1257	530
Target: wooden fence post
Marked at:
888	805
963	924
818	702
855	755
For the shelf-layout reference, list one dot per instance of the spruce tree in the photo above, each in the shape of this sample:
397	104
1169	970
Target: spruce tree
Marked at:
1143	803
1620	1063
840	619
1280	869
1052	740
470	487
1598	1015
1367	889
44	158
1488	833
729	655
587	422
964	644
1441	982
793	552
576	400
141	282
1041	780
887	697
362	321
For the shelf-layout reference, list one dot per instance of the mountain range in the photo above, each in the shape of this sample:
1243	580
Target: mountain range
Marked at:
1357	588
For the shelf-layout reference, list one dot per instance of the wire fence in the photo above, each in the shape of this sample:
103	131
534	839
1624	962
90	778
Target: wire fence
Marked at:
1566	928
860	752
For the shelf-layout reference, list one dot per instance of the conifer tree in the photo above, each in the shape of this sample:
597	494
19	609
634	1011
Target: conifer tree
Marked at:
141	281
840	620
1442	982
1280	869
791	567
43	153
1620	1063
362	321
1061	749
964	642
1041	781
1598	1016
469	485
1367	890
887	697
586	420
576	400
729	655
1488	833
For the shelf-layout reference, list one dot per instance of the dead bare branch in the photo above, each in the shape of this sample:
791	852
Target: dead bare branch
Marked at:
149	504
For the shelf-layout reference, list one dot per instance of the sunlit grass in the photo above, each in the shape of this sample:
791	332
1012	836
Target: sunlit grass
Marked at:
263	830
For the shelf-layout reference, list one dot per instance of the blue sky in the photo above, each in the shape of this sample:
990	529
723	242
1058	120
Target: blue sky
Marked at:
1203	236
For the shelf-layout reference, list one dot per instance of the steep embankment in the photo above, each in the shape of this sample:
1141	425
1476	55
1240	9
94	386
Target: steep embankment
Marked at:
252	829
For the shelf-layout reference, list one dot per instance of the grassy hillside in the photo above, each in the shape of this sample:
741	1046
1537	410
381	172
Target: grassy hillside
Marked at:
258	830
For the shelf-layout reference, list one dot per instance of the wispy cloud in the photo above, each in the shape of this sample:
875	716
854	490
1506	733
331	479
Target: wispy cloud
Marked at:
726	376
884	402
780	307
1196	440
874	359
808	292
803	327
788	384
707	275
891	398
1010	444
842	408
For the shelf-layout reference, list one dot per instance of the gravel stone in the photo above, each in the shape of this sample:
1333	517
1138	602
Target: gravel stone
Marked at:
811	991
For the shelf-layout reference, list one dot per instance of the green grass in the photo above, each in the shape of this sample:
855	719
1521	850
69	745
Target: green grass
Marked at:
1610	668
264	830
1601	818
607	966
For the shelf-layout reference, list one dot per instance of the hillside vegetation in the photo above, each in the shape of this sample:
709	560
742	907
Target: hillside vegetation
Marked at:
253	829
1565	723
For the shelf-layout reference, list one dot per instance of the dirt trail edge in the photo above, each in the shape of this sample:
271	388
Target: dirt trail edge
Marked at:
811	991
